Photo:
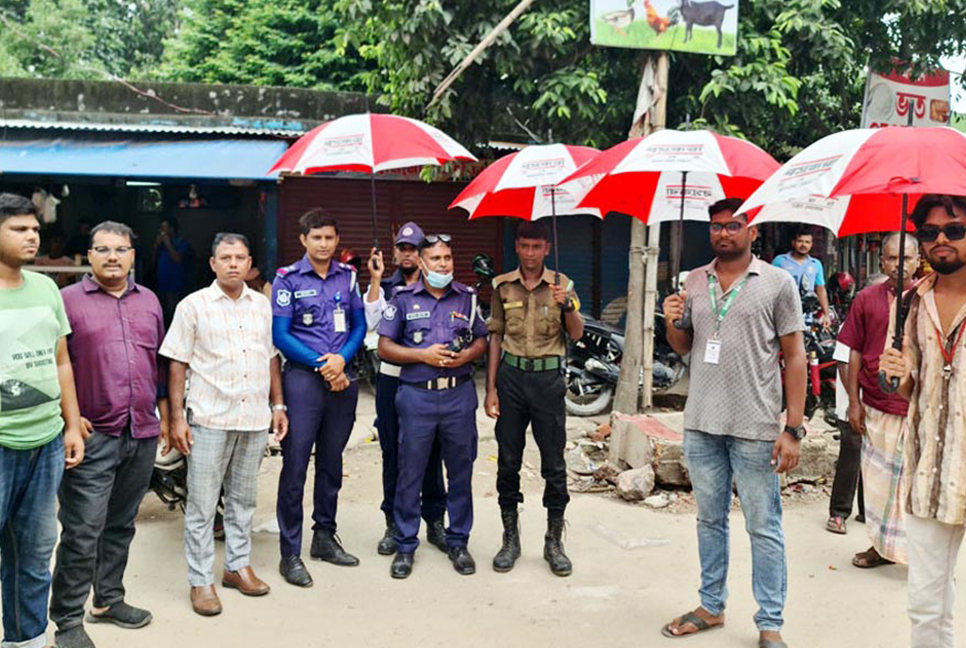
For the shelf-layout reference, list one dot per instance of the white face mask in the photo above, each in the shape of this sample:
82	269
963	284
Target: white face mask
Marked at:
438	279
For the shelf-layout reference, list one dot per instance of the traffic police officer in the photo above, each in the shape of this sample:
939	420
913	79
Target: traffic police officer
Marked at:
387	382
432	328
318	325
533	312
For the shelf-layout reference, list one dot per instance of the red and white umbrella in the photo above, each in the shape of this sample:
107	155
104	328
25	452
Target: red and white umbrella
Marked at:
370	143
862	180
521	185
670	175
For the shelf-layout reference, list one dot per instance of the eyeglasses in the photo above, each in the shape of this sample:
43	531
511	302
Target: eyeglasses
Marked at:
953	232
733	227
433	239
103	250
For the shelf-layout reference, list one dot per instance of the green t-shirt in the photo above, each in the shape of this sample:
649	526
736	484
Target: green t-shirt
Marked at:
32	320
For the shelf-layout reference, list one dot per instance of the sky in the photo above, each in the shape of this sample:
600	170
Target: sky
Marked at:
956	66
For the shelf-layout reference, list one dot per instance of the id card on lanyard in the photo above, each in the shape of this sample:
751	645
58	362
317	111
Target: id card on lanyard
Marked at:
712	352
338	315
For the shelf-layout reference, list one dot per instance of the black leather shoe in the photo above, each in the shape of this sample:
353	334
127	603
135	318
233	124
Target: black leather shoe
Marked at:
326	546
388	545
436	534
462	560
293	571
402	565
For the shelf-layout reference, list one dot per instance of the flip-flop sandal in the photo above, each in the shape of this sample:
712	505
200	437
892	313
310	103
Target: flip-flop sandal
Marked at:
835	525
693	619
869	559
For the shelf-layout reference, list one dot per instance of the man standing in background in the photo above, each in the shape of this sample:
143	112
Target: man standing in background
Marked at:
806	270
173	262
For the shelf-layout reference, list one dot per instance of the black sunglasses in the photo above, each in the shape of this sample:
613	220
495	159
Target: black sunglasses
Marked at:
733	227
953	232
433	239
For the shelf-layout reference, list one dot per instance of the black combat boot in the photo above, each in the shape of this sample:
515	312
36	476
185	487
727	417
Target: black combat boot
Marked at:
326	546
387	546
553	551
507	556
436	533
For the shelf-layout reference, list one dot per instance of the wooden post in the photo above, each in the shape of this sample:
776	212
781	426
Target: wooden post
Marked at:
639	330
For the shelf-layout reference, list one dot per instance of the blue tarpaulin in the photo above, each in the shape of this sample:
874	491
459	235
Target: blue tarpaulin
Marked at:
224	159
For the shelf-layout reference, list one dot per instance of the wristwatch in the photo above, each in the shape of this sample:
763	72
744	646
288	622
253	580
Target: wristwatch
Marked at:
797	432
570	305
279	408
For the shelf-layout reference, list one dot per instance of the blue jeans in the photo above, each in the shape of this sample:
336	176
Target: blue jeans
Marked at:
29	480
713	460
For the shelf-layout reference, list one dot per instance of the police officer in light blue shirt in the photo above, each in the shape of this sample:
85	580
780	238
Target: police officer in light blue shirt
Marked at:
318	325
433	329
806	270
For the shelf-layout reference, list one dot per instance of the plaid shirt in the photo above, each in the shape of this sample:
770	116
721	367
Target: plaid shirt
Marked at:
227	345
935	449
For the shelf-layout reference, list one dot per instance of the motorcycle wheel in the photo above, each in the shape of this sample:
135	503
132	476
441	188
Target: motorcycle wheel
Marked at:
578	405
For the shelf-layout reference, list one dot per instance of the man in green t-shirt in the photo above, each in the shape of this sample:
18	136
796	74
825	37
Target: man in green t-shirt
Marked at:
40	424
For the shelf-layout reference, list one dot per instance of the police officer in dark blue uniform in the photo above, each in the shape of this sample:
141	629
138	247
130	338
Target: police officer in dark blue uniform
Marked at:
433	329
318	325
387	382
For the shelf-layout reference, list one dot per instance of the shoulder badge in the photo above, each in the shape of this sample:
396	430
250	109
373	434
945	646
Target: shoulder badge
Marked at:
283	298
389	314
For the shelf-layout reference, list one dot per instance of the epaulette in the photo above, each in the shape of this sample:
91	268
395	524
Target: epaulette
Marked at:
411	287
281	272
503	278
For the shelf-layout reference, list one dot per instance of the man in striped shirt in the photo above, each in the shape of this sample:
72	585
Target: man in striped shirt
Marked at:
223	333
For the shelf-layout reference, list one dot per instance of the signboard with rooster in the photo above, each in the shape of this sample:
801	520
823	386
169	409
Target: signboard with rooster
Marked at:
701	26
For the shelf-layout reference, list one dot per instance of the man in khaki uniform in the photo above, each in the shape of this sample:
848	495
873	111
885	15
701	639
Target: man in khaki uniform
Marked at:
534	311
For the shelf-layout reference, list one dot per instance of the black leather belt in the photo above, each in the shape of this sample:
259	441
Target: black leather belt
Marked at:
548	363
436	384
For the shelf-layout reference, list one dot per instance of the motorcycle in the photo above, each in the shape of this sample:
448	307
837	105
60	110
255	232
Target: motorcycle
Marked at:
820	351
169	481
593	366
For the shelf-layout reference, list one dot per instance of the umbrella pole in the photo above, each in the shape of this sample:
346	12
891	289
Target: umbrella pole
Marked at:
375	229
893	385
685	322
556	253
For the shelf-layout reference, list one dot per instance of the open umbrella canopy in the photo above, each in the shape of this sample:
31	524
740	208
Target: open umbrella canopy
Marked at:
646	177
370	143
853	182
521	185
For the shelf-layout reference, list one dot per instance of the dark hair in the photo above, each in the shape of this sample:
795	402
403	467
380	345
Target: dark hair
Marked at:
16	205
930	201
533	230
725	204
802	231
172	223
315	219
111	227
229	238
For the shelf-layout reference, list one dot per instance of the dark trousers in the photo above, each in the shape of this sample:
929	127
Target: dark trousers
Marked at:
387	423
848	475
99	501
426	417
324	419
534	398
28	532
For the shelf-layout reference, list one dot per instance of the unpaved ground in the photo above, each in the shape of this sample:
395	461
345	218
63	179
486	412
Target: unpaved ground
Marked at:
618	595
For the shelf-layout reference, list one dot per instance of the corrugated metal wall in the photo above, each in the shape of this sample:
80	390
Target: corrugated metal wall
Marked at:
348	200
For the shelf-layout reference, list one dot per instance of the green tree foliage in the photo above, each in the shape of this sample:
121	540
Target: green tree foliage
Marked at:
799	72
261	42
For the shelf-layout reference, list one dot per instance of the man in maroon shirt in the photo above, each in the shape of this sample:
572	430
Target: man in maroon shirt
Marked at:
877	416
117	330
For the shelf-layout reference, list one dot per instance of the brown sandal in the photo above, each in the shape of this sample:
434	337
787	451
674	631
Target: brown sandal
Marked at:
869	559
694	620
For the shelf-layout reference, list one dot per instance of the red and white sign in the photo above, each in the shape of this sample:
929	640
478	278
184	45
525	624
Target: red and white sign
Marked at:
891	98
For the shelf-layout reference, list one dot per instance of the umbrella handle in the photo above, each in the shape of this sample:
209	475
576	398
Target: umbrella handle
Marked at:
684	323
886	385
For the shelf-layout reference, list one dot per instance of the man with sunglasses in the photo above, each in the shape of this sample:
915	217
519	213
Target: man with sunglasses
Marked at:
433	329
931	369
534	311
743	314
117	328
406	256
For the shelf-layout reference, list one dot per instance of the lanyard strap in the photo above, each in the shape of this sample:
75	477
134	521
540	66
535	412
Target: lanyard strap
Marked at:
948	357
726	306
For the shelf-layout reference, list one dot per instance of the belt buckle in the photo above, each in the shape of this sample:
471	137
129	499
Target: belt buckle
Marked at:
442	383
526	364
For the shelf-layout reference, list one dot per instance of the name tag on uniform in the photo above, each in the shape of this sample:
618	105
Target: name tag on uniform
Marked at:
418	315
306	293
712	352
338	320
515	304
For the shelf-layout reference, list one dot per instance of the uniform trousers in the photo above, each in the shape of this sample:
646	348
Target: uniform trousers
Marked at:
387	423
99	501
229	459
534	398
425	416
323	419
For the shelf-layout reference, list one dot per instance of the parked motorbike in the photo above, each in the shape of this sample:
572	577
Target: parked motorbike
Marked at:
820	350
169	481
593	366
